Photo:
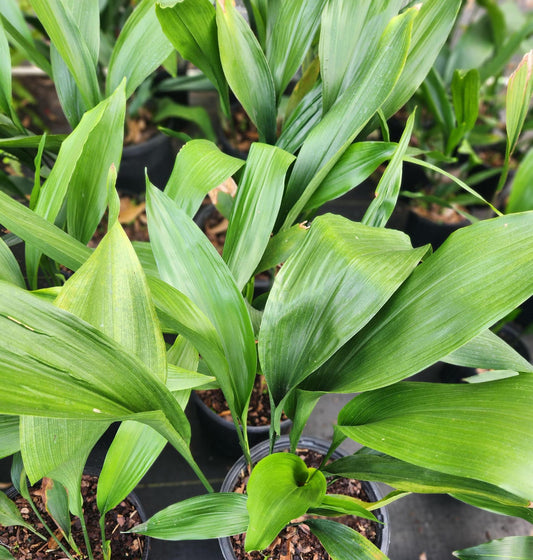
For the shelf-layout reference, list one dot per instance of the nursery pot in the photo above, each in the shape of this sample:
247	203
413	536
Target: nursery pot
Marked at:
156	155
132	498
223	434
314	444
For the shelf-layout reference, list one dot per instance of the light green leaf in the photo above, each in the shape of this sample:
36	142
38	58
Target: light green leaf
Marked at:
339	127
509	548
339	504
9	435
6	101
9	267
194	114
425	424
255	210
488	351
191	27
200	166
388	189
180	379
187	260
519	92
465	95
280	488
52	142
367	464
521	197
342	542
209	516
481	273
9	513
141	28
340	266
291	31
71	45
347	39
246	69
5	554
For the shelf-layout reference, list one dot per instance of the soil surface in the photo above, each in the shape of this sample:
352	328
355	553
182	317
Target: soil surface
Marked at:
240	132
439	214
24	545
296	542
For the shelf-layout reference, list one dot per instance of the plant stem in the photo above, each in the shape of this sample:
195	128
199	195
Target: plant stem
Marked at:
86	538
242	433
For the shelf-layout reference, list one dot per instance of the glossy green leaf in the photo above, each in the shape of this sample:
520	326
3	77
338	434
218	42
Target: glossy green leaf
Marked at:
132	452
56	503
280	488
431	28
508	548
347	39
422	423
488	351
255	210
246	69
195	114
339	504
433	313
465	95
339	127
521	197
48	238
191	27
200	166
53	141
9	267
86	15
188	261
6	102
70	43
519	92
367	464
357	163
9	513
340	266
436	96
281	246
522	512
141	28
209	516
342	542
292	31
9	435
388	189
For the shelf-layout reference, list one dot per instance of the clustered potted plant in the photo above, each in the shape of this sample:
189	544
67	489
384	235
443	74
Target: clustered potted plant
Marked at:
354	308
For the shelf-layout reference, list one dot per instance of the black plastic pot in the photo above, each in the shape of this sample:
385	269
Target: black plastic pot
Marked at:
156	155
223	434
422	231
314	444
450	373
12	493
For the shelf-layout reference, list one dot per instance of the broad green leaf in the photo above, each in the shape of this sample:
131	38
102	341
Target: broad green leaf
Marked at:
431	28
281	246
52	143
340	266
494	506
436	96
5	554
521	197
388	189
188	261
48	238
191	27
492	375
194	114
292	31
508	548
347	39
367	464
357	163
6	101
280	488
481	273
255	210
488	351
426	423
56	503
86	15
339	127
141	28
209	516
339	504
9	513
519	92
132	452
342	543
465	95
246	69
200	166
71	45
9	435
9	267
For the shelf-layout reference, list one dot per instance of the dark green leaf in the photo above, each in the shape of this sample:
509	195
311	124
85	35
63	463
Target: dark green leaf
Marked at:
509	548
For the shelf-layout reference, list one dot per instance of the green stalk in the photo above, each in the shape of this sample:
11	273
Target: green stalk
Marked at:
242	433
86	538
105	550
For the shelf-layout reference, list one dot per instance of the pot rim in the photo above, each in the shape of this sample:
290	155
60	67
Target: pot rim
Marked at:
315	444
